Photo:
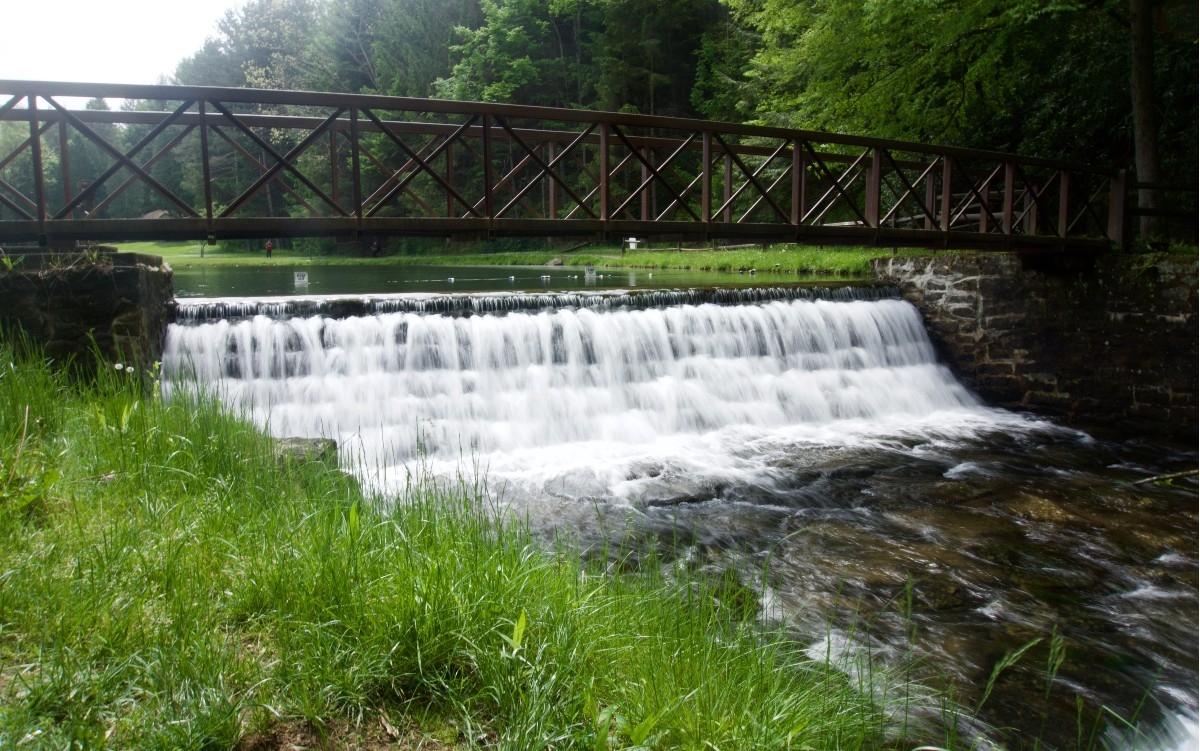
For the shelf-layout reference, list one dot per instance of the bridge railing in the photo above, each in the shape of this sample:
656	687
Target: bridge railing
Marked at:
199	162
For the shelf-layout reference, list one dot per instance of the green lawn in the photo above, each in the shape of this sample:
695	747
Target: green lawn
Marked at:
774	259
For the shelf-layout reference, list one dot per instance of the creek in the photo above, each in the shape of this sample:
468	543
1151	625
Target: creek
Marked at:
803	442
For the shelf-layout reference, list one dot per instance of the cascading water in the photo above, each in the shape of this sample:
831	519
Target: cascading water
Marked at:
630	384
817	441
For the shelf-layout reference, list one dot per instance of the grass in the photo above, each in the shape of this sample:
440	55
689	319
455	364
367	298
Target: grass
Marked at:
777	259
167	582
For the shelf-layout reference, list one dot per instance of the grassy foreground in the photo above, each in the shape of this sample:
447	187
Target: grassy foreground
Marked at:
776	259
166	583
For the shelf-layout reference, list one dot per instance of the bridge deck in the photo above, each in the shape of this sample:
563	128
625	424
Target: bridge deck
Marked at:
198	162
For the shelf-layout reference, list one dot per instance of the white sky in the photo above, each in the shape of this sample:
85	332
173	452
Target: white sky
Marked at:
103	41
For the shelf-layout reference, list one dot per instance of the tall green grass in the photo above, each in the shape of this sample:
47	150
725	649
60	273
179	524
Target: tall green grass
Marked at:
167	582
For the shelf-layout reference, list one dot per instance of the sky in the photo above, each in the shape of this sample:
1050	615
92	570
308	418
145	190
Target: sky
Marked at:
103	41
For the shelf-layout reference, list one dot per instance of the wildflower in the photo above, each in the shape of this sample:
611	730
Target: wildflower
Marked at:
119	366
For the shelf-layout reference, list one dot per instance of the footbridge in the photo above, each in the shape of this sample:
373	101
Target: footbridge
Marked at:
196	163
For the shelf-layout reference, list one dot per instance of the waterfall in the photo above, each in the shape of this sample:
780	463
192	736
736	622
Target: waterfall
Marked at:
613	394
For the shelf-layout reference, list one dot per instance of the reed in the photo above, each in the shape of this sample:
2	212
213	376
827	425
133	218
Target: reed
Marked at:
167	582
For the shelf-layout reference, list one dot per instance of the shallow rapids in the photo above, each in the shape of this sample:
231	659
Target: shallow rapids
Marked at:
814	447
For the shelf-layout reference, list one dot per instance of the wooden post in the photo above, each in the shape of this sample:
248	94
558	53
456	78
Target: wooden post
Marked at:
64	155
727	190
450	180
553	210
334	178
487	167
1006	216
874	186
39	179
1064	202
205	164
645	181
706	177
799	182
604	173
930	199
985	199
947	193
1118	228
1031	211
356	167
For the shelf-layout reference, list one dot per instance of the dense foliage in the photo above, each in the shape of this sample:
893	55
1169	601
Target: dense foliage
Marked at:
1044	77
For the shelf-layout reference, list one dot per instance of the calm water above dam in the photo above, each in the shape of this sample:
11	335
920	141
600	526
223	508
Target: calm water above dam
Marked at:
260	281
806	441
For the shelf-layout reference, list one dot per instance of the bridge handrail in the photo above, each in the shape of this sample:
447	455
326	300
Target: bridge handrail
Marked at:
456	167
18	89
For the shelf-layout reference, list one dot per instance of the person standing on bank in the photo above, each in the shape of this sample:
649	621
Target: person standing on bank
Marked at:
268	246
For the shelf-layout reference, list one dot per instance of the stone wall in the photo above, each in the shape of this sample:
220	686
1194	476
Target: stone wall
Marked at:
72	305
1106	341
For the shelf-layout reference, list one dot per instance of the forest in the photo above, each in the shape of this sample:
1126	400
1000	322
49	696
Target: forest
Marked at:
1107	83
1094	81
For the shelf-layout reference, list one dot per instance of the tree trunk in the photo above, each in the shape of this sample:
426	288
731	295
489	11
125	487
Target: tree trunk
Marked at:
1145	116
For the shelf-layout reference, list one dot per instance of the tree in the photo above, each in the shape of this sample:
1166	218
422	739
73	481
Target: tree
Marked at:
1068	79
720	92
412	46
628	55
645	53
517	55
345	36
262	44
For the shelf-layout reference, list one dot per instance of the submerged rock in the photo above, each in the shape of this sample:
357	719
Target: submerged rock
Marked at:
1038	509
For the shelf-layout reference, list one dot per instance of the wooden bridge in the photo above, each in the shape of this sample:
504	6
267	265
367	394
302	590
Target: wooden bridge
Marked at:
183	162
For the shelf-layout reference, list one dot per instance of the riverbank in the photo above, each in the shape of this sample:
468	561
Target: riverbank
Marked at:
783	260
169	583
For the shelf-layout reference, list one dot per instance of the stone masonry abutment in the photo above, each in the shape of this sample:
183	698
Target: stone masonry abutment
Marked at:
1107	341
76	306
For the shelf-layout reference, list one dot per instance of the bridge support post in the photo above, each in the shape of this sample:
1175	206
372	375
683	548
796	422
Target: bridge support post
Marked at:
39	183
1010	190
64	157
874	183
488	208
1118	231
947	193
645	191
206	169
604	176
727	190
799	167
551	186
1064	202
356	169
930	199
